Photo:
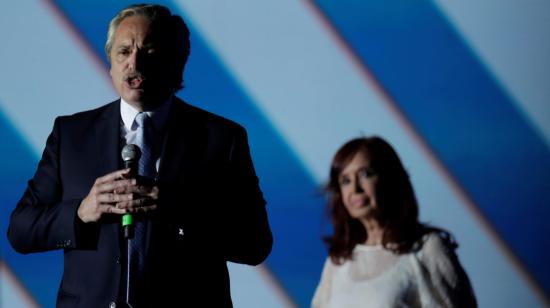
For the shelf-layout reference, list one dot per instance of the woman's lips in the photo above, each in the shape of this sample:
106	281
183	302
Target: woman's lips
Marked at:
359	202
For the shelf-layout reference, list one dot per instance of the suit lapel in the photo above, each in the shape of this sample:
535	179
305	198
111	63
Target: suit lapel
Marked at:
185	140
108	139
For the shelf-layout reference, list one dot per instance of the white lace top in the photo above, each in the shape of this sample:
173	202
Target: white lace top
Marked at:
375	277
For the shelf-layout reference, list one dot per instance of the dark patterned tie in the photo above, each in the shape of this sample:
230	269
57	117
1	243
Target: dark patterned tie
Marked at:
136	246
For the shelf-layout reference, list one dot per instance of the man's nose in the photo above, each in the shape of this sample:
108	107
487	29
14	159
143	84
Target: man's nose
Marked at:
135	61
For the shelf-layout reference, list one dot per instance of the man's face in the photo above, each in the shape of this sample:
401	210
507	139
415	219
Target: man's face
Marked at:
138	60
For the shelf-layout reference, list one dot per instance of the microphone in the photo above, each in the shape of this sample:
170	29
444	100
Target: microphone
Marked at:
130	156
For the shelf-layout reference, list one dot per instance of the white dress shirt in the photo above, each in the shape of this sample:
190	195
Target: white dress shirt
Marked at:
128	127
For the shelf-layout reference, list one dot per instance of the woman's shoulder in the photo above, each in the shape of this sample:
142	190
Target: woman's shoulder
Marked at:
435	242
442	266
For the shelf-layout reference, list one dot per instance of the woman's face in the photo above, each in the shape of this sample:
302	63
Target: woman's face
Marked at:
358	187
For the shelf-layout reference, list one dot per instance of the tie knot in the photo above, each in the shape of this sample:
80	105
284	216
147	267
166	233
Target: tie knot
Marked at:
141	119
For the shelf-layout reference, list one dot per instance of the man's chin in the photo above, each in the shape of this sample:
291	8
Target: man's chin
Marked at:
143	100
134	97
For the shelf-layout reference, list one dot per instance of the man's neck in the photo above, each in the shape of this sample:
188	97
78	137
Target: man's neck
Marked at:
149	105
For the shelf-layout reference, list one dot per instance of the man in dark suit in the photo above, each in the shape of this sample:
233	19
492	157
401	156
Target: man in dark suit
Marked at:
200	206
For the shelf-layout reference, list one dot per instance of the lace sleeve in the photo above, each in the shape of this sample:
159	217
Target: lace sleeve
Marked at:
322	293
445	278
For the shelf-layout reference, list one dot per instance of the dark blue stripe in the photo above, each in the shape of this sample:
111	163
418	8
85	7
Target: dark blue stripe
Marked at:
35	271
295	209
467	119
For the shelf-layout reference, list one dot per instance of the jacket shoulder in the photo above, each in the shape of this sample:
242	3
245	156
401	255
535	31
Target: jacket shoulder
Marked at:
89	115
211	120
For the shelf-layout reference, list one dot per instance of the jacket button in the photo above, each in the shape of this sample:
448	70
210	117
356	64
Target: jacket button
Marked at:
117	260
112	305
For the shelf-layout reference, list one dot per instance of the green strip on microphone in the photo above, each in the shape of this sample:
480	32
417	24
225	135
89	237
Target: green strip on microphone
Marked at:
126	220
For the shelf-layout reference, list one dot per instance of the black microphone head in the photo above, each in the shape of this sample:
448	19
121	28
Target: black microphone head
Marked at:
130	152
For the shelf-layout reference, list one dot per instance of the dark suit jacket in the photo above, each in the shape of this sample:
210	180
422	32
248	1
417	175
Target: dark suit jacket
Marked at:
211	210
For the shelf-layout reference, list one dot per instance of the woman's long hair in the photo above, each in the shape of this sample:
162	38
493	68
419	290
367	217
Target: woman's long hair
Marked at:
398	209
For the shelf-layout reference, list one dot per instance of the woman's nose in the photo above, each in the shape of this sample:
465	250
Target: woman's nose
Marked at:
357	186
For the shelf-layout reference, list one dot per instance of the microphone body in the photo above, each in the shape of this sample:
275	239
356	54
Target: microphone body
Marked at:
130	156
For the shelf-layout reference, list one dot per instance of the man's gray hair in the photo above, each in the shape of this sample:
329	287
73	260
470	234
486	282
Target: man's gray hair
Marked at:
172	27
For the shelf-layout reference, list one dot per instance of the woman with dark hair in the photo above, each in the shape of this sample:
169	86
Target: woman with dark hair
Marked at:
380	255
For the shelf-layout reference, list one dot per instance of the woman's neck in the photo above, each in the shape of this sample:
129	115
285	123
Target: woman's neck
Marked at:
374	231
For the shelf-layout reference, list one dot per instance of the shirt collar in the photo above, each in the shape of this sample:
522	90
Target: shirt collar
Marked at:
159	115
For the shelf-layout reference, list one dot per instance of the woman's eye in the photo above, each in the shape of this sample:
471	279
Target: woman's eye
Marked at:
366	173
344	181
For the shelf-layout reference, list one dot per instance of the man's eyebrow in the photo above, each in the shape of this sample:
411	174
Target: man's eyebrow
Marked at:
122	45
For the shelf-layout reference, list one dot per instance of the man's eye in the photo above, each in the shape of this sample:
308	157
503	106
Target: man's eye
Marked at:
124	52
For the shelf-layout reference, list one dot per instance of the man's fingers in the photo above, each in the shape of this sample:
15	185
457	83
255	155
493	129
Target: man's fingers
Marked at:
148	208
142	190
110	209
112	176
132	204
143	209
154	192
118	186
114	198
137	204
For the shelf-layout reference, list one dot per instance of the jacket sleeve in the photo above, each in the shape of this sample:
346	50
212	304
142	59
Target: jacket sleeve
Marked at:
247	235
41	221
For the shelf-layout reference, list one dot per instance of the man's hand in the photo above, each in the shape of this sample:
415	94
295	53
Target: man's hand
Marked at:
143	196
115	193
